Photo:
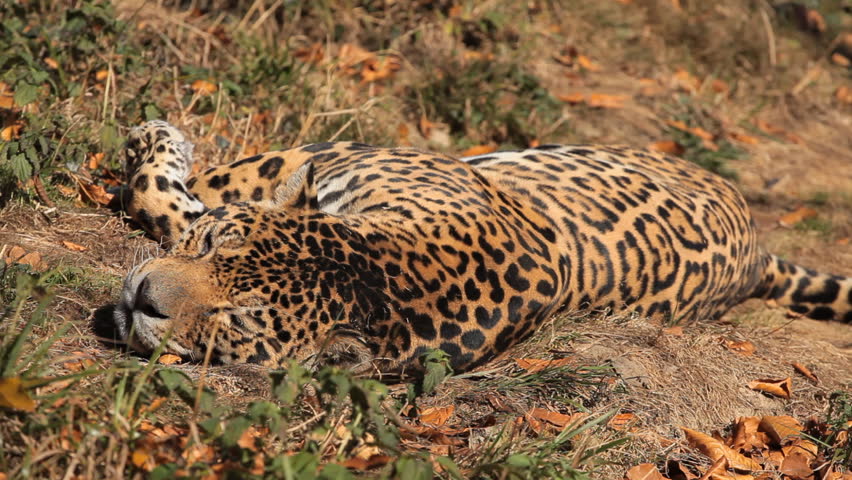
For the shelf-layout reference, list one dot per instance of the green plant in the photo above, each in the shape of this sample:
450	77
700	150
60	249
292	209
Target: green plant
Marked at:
839	422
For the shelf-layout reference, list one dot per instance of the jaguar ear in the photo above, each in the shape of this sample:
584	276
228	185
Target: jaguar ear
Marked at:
300	190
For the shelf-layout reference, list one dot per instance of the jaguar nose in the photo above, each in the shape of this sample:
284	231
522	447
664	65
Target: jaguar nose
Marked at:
145	302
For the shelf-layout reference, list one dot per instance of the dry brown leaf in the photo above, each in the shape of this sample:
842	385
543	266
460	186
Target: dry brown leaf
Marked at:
248	439
141	458
780	388
805	371
622	421
743	138
7	101
572	98
11	132
747	436
743	347
719	469
169	359
533	365
313	54
425	126
796	464
437	416
13	395
199	453
644	471
18	255
73	246
719	86
796	216
704	135
82	362
364	464
675	331
350	55
555	418
95	159
204	87
667	146
714	449
685	81
781	428
838	58
586	63
602	100
95	193
378	69
843	94
478	150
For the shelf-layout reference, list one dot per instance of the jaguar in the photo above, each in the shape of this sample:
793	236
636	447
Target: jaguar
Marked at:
368	257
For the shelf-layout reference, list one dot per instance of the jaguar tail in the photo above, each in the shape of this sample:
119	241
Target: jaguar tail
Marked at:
816	295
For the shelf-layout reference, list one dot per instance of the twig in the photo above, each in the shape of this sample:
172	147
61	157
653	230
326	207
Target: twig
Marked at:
42	193
770	37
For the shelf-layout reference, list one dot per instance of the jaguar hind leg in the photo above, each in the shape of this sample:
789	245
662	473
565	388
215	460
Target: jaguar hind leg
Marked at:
157	160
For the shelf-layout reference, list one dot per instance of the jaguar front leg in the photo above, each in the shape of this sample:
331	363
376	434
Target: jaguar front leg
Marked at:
157	161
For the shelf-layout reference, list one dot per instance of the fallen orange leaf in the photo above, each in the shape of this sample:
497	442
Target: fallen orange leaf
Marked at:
796	464
572	98
743	138
621	421
82	362
20	256
555	418
533	365
805	371
840	59
667	146
676	331
95	193
796	216
586	63
313	54
101	75
203	87
364	464
13	395
685	81
73	246
644	471
602	100
780	388
719	86
169	359
747	436
478	150
95	159
843	94
743	347
11	132
781	428
714	449
436	416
